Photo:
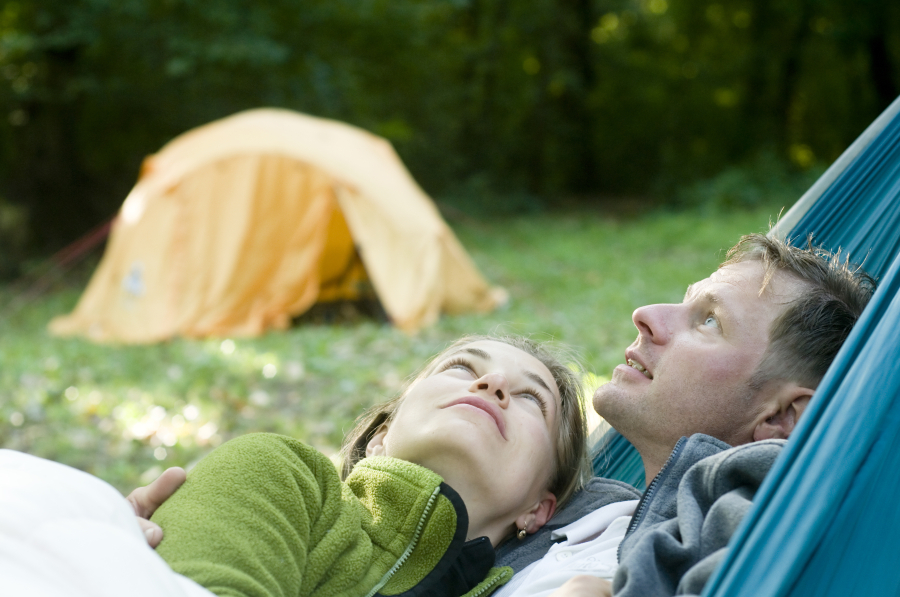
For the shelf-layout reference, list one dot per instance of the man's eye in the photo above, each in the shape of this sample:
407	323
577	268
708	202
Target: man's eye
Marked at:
711	320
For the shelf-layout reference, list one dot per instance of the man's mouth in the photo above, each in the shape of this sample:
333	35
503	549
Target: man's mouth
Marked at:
637	366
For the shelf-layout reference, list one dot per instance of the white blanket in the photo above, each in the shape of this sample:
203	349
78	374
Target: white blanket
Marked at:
64	532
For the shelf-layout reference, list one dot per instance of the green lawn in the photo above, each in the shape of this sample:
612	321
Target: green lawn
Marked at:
124	413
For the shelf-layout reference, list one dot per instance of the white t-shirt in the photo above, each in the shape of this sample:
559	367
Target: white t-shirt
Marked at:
590	546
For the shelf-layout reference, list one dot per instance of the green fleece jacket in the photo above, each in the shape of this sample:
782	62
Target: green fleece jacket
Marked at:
265	515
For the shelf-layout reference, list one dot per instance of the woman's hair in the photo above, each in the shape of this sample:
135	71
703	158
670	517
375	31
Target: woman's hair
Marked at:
571	463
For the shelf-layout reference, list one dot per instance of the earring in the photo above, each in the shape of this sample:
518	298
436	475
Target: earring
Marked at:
522	532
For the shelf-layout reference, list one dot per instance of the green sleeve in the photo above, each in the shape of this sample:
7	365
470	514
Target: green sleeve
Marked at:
250	515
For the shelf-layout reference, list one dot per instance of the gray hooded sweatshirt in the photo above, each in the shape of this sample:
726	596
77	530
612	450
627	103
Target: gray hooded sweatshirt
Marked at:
687	515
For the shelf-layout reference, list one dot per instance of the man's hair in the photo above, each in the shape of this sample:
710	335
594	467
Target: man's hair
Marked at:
806	337
571	465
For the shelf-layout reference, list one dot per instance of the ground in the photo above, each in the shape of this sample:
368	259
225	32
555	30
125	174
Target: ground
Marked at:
125	412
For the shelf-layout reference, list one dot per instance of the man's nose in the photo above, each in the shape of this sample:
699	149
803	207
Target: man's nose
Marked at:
654	322
495	385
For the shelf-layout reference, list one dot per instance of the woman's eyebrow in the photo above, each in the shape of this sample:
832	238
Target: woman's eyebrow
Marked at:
538	380
478	353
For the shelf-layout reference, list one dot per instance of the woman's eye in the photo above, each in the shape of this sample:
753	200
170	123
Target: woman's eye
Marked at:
536	399
459	365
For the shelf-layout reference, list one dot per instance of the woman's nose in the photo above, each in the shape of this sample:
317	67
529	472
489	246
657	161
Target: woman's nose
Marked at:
494	384
654	321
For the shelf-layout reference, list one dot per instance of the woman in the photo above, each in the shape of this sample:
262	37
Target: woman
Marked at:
481	445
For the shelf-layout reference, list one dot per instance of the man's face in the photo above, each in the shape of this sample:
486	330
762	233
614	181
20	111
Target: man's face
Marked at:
690	367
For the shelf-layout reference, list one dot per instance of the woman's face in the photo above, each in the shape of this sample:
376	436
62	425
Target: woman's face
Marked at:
485	419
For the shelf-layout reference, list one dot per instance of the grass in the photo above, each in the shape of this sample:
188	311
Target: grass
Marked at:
124	413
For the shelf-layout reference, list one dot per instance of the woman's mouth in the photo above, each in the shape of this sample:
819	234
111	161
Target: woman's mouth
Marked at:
490	409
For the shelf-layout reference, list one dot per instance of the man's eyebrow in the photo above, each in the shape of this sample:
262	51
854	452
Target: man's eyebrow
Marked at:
710	297
478	353
707	295
538	380
688	292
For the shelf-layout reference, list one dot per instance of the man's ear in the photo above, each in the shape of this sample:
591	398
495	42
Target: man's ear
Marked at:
375	446
538	515
783	412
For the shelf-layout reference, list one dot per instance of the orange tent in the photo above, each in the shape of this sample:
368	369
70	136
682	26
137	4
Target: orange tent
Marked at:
237	226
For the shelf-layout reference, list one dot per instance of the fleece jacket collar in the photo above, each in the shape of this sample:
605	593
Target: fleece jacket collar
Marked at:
454	570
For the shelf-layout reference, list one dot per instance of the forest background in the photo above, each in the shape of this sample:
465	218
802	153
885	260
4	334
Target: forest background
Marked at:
592	155
493	104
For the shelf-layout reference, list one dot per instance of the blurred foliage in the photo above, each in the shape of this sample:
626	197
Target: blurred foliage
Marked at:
124	412
490	102
13	238
763	180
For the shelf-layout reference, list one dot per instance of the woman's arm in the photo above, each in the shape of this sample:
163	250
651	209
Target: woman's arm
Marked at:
248	516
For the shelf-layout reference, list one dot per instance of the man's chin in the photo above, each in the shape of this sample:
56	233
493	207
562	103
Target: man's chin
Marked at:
615	398
602	395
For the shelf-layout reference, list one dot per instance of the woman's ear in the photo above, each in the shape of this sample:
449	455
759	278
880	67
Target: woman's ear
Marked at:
538	515
375	445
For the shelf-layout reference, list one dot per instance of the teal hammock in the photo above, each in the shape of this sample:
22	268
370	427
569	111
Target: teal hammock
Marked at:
617	459
826	521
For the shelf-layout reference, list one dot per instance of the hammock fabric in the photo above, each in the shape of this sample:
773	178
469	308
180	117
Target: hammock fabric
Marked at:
617	459
826	520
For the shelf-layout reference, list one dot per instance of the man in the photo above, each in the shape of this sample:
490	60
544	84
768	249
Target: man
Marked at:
736	362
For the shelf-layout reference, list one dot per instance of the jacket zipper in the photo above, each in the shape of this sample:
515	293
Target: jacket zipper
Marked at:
412	544
648	494
489	586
